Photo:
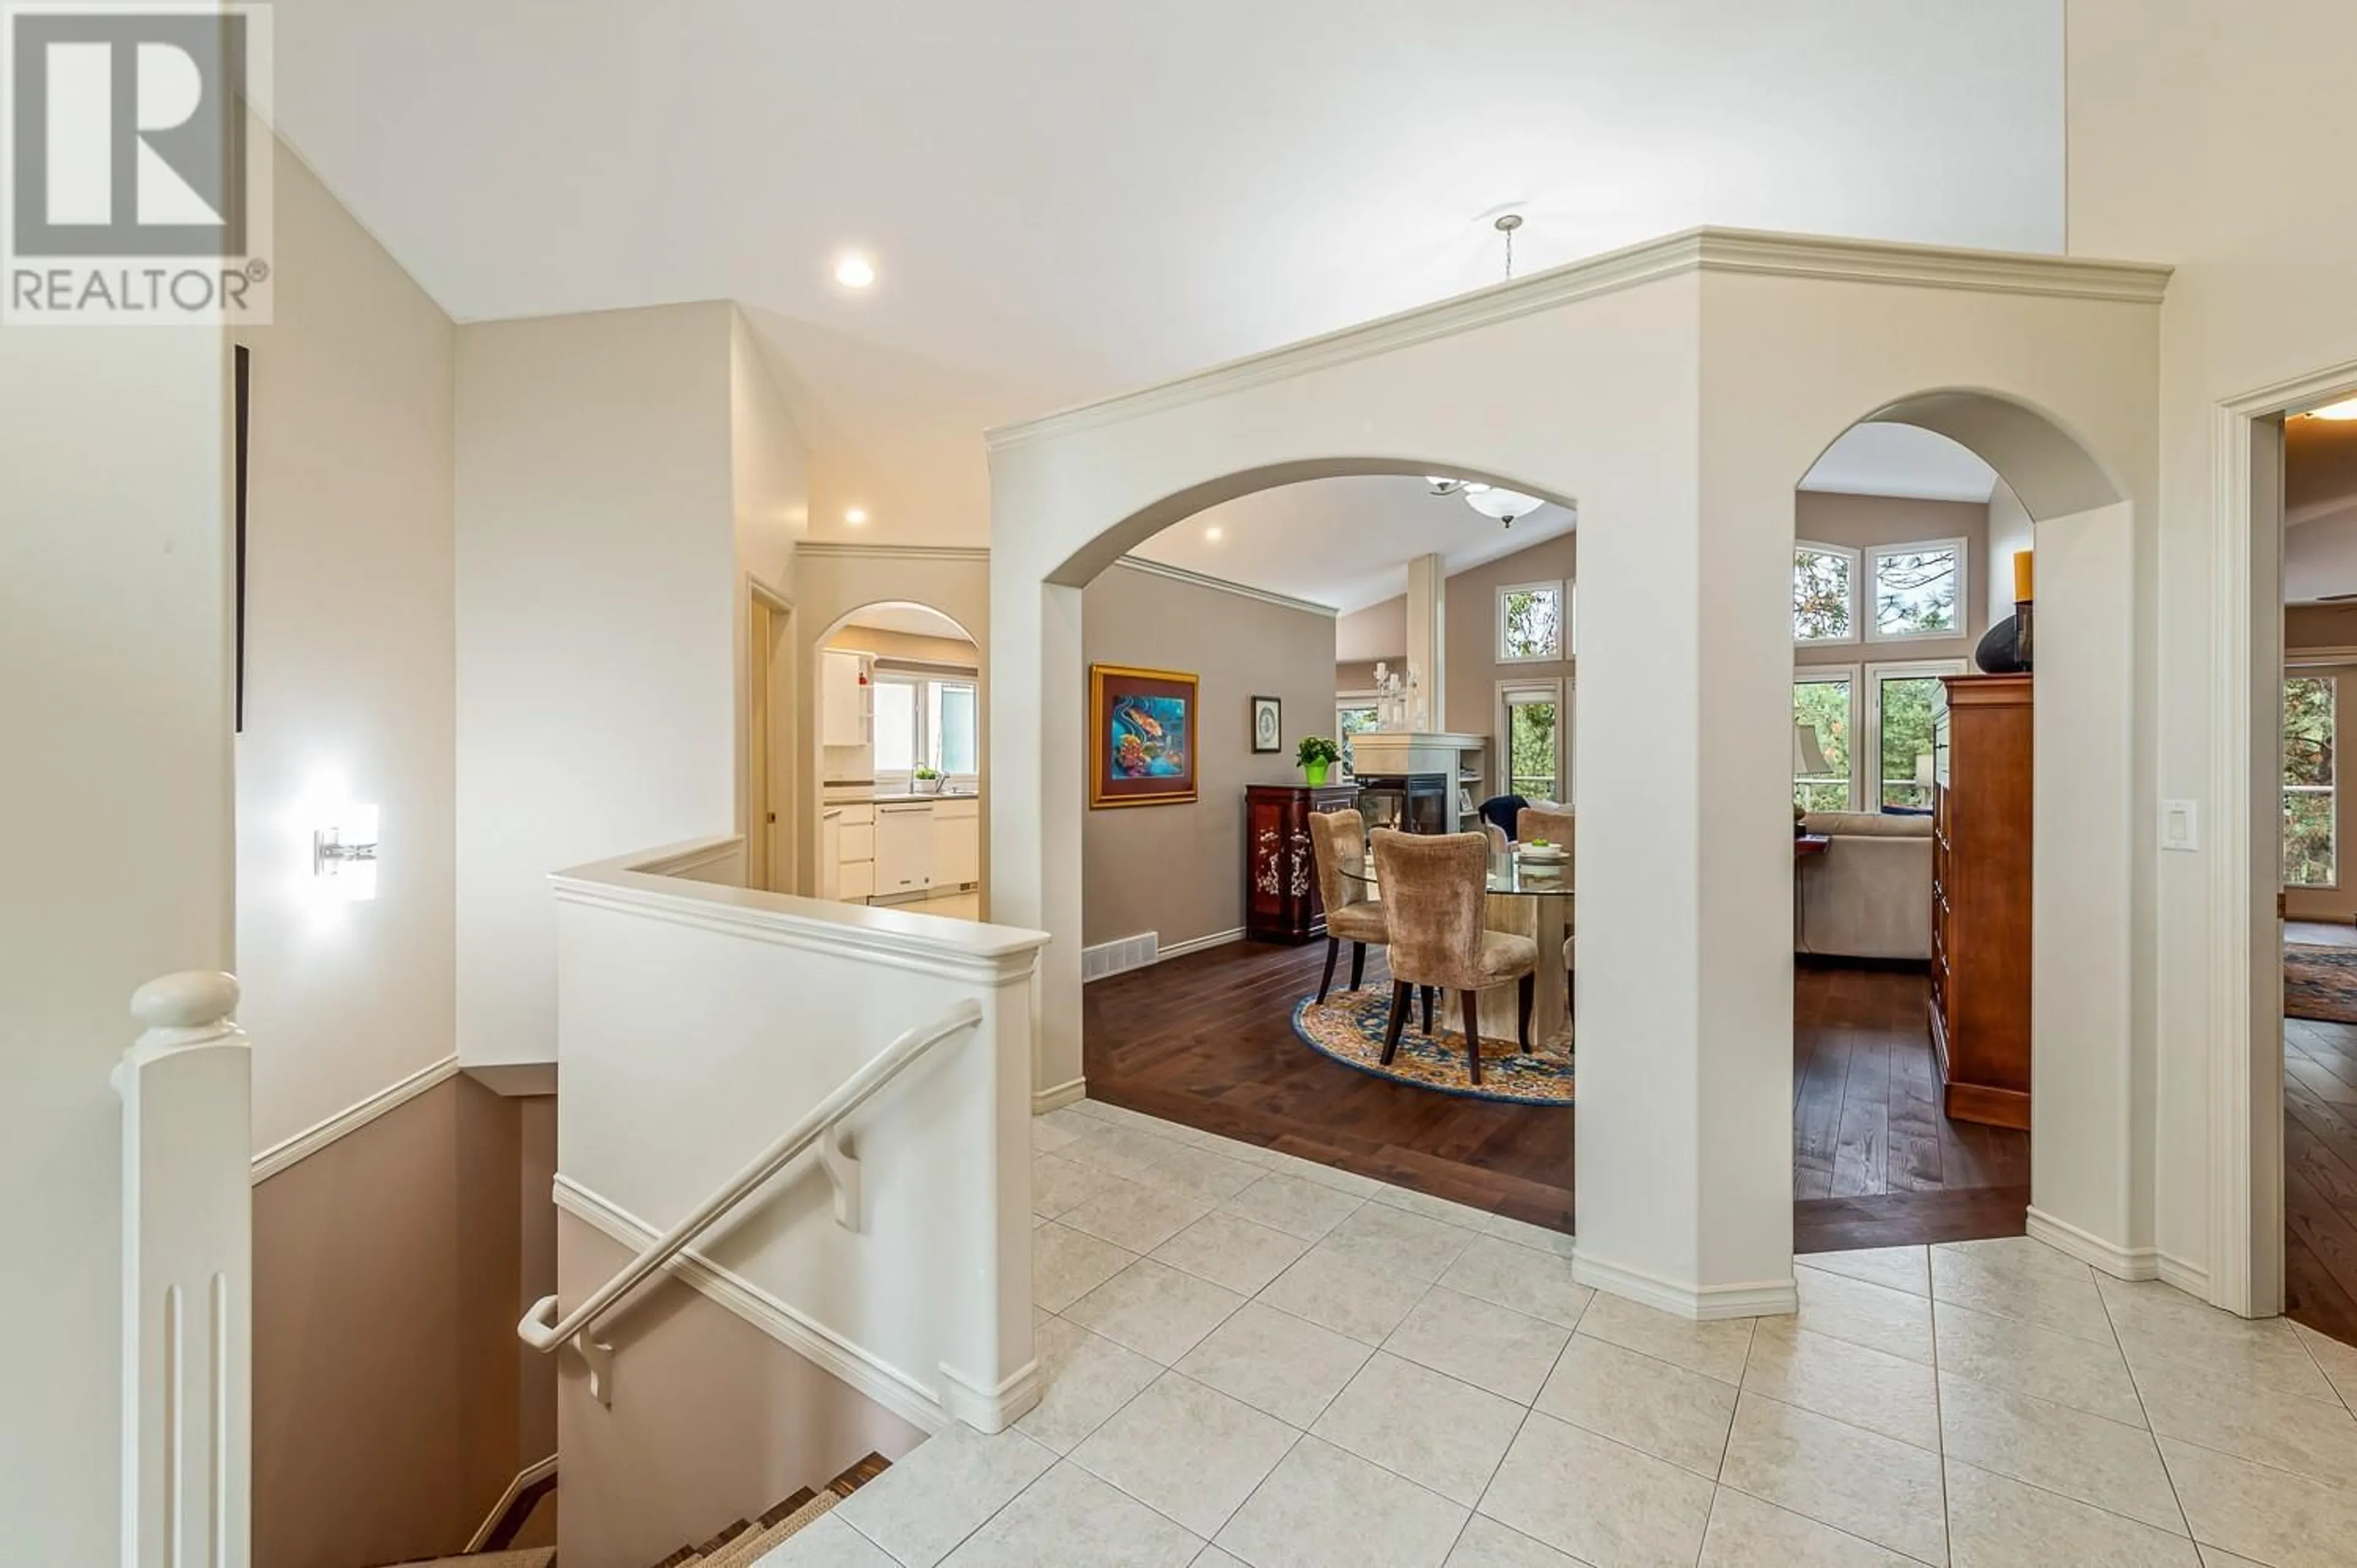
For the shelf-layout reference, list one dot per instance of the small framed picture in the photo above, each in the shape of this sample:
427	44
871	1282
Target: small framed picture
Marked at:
1464	800
1268	723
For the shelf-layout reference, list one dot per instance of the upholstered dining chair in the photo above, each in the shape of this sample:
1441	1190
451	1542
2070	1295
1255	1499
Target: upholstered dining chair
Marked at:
1337	840
1556	826
1434	888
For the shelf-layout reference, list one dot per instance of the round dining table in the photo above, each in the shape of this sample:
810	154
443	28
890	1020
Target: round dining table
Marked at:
1529	897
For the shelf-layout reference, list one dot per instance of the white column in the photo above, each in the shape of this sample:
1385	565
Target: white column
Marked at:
1428	643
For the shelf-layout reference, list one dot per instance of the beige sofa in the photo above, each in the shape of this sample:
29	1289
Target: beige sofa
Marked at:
1869	894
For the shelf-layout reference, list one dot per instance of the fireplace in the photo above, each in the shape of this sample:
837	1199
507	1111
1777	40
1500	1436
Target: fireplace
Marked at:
1411	803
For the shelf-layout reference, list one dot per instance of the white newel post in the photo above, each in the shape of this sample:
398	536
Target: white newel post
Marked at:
187	1278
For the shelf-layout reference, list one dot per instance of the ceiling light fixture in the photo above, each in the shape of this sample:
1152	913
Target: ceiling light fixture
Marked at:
853	270
857	516
1507	223
1503	505
2344	410
1211	532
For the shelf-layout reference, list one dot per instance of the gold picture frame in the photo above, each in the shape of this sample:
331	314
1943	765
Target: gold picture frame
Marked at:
1143	725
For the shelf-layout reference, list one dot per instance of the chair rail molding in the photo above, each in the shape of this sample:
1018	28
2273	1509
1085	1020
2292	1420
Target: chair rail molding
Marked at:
188	1277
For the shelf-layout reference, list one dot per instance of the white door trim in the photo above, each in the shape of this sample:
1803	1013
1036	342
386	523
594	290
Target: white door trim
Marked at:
2245	1024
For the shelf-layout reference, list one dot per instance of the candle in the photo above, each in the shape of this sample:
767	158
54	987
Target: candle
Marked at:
2021	577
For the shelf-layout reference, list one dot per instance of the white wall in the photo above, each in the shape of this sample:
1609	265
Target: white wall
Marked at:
770	480
350	667
2205	134
598	625
2011	531
115	809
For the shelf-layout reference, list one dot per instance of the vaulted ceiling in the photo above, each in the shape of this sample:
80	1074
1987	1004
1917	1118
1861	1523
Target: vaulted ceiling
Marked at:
1067	198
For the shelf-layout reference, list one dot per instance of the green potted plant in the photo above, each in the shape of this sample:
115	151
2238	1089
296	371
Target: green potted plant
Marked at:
1315	755
926	781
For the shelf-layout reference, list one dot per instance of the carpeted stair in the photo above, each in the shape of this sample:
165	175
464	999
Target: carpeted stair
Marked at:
747	1541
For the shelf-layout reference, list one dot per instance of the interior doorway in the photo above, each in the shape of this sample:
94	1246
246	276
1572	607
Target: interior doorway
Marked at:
768	792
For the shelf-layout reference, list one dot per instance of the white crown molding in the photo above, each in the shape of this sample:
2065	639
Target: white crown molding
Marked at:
293	1150
1695	250
1765	1298
1222	586
531	1475
844	550
906	1397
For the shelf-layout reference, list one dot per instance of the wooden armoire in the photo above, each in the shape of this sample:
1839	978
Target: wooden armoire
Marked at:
1981	752
1281	902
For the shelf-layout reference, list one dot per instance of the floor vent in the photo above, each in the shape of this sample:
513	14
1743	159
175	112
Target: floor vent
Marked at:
1118	956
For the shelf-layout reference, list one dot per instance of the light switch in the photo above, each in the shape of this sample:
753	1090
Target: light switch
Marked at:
2180	825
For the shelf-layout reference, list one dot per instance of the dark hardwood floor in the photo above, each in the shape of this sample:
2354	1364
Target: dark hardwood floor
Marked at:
1207	1040
2321	1175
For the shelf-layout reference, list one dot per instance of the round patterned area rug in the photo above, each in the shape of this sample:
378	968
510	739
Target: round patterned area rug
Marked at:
1349	1027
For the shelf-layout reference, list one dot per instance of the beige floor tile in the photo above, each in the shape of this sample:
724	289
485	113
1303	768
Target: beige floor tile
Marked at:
1597	1500
1124	1150
1993	1522
2161	1326
2307	1436
1086	1377
2011	1286
828	1543
1140	1217
1379	1236
1890	1394
1876	1316
2217	1557
1327	1509
1059	1185
1523	1279
1154	1310
1438	1433
1859	1482
941	1491
1188	1452
1715	1350
2022	1358
1351	1298
1523	1233
1066	1265
2267	1515
1905	1269
1668	1412
1748	1534
1201	1172
2106	1463
1296	1207
1059	1127
2019	1255
1486	1544
1479	1343
1329	1176
2337	1361
1431	1207
1070	1516
1213	1557
1138	1120
1275	1362
1229	1249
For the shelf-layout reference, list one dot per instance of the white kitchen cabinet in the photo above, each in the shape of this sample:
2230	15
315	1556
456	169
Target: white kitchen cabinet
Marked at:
854	858
904	849
846	715
830	853
957	843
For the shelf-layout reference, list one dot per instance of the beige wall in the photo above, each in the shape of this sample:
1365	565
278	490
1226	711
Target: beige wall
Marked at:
1473	671
1861	522
391	1407
1180	870
692	1439
350	667
906	645
1375	633
1359	676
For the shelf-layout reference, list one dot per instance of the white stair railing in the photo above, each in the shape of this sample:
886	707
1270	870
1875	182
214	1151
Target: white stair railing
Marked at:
820	1125
187	1278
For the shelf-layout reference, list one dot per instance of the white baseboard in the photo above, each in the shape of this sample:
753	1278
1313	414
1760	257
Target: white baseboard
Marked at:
1197	944
2190	1277
1046	1100
2120	1263
1119	956
351	1119
531	1475
913	1401
1761	1299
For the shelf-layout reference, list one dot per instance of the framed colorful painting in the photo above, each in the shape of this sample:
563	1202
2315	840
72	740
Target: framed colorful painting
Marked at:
1143	722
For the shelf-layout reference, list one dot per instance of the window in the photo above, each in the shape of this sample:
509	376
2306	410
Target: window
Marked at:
2311	730
1918	590
1532	623
1825	594
1825	698
1898	703
925	720
1354	712
1532	721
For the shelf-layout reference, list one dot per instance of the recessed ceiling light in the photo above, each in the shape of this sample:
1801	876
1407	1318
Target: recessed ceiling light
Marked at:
1212	532
2345	409
853	270
855	516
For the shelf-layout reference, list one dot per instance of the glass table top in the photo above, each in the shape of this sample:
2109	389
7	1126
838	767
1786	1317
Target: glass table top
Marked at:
1509	875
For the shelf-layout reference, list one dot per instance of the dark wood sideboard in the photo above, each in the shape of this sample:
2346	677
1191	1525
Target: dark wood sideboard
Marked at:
1981	755
1280	903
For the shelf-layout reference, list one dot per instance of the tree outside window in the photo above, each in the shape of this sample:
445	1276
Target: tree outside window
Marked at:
1824	583
1354	719
1905	723
1918	590
1825	704
1530	622
2310	726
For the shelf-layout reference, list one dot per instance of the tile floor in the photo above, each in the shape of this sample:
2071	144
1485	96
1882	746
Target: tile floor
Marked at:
1251	1359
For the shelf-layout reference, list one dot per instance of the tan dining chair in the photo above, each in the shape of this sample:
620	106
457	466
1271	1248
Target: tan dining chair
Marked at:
1338	841
1555	826
1435	888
